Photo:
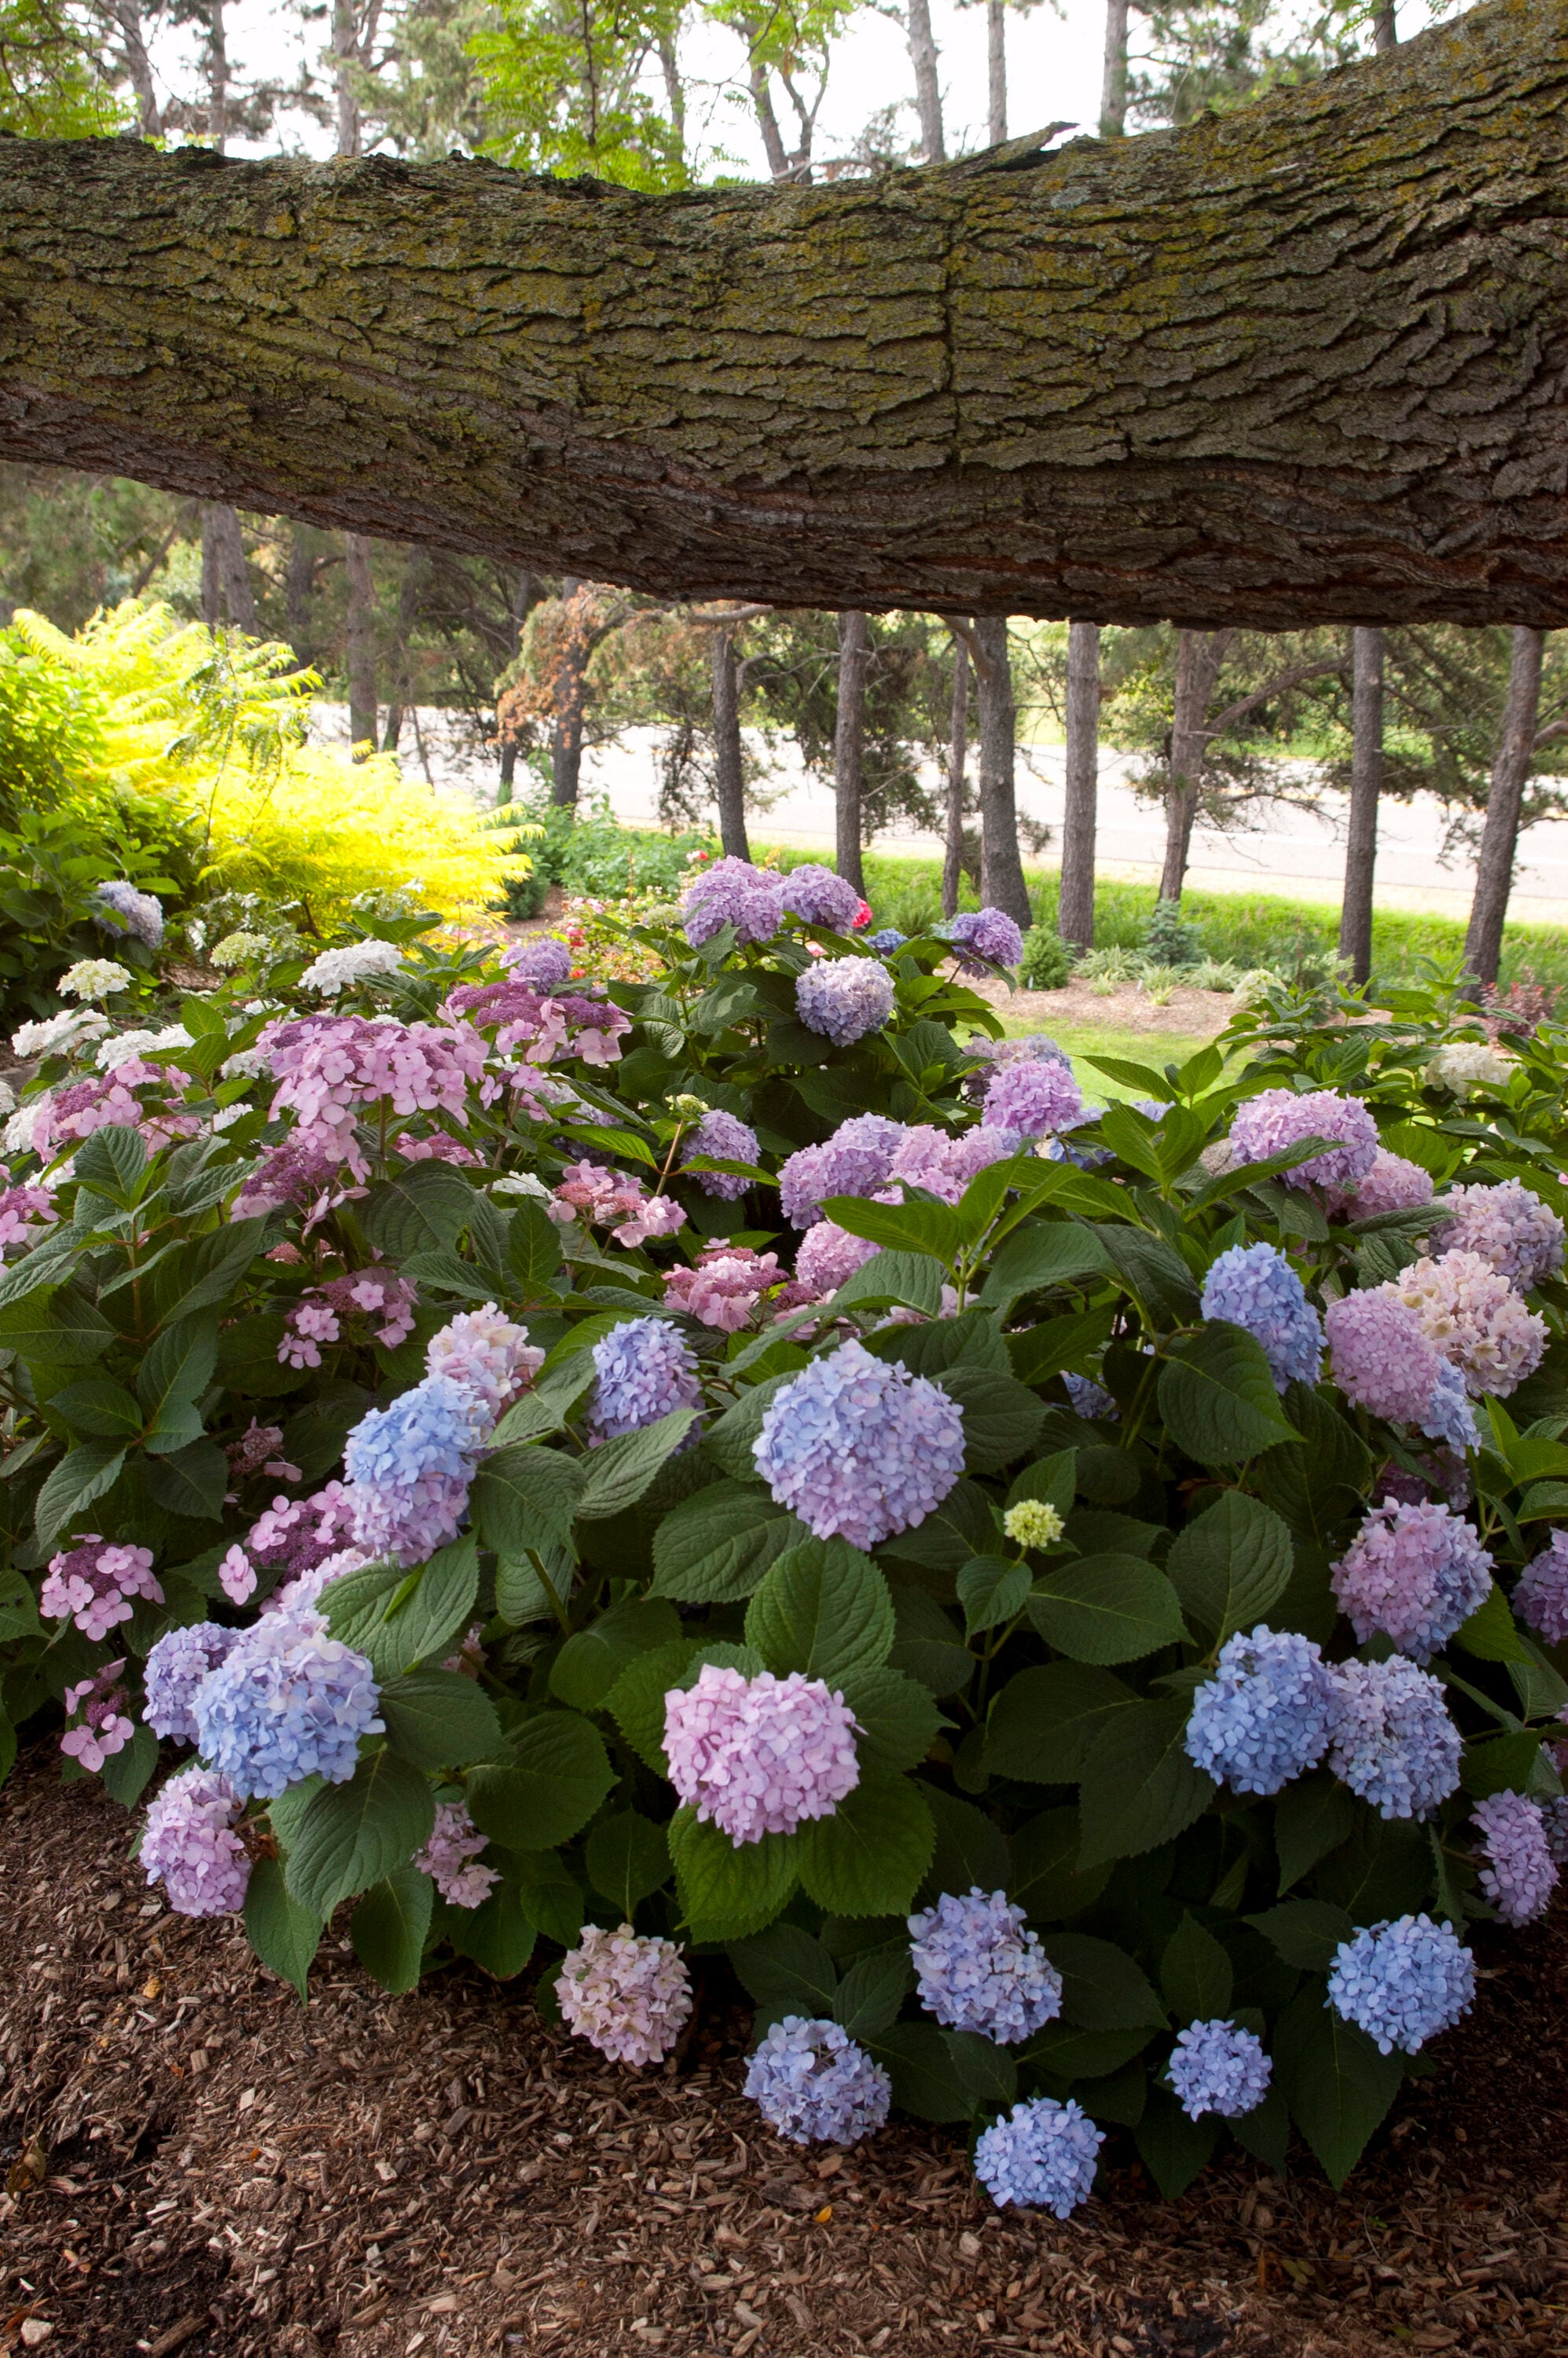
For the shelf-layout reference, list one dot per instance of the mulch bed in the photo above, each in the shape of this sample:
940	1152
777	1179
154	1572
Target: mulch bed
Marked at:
194	2164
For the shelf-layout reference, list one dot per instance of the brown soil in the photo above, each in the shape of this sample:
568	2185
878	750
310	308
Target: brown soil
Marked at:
1125	1009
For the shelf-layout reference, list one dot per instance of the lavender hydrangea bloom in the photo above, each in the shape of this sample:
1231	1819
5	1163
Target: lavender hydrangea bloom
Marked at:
485	1355
540	961
1394	1742
627	1994
1091	1400
645	1369
724	1138
845	998
409	1467
1392	1184
1519	1875
123	910
188	1845
451	1858
810	2082
760	1755
983	938
1217	2067
1403	1982
1277	1118
978	1968
733	893
859	1448
886	941
853	1162
1028	1099
1267	1714
1508	1226
1255	1287
1413	1573
1042	2157
286	1704
820	897
175	1669
1448	1416
1381	1358
1542	1595
828	1254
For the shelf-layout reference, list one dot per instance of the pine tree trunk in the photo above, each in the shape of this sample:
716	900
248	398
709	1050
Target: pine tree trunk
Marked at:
1001	869
1385	34
361	641
1113	89
729	768
927	88
345	49
1499	835
996	69
138	68
1199	654
570	698
1076	915
299	583
410	591
1366	786
225	582
849	742
957	762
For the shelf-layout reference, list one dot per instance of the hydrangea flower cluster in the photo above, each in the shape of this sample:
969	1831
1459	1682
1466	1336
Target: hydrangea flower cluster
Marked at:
1033	1523
128	1047
285	1704
811	2081
1042	2157
886	940
449	1859
723	1138
303	1172
293	1537
1217	2067
1394	1742
373	1304
944	1165
1277	1120
609	1199
189	1846
1508	1227
95	1582
1254	1286
1473	1318
544	1025
733	893
99	1712
1520	1874
175	1669
1466	1064
983	939
759	1756
1266	1715
859	1448
1541	1595
121	909
542	959
845	998
346	968
409	1466
1383	1362
1391	1185
65	1117
645	1369
1403	1981
979	1968
59	1035
94	979
627	1994
26	1211
1415	1573
487	1355
1091	1400
827	1256
818	896
854	1162
330	1069
1031	1098
724	1286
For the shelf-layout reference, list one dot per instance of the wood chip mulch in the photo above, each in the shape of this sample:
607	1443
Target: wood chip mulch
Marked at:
194	2164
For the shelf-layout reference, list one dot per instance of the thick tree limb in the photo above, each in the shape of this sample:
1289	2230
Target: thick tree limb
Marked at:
1303	363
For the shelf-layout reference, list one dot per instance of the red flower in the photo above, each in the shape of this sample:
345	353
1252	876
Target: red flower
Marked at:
863	915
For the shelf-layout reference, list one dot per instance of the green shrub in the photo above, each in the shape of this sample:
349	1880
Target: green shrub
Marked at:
1046	963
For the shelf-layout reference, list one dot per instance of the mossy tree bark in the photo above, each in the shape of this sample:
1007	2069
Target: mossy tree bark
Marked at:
1300	362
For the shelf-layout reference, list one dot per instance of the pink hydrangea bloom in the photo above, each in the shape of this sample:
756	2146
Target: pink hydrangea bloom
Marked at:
98	1708
828	1254
256	1452
25	1212
627	1994
303	1174
1413	1573
330	1069
1391	1185
760	1756
439	1147
96	1581
188	1845
1520	1874
1542	1595
449	1859
1269	1123
1509	1227
613	1200
67	1116
487	1354
1380	1358
725	1287
1474	1318
944	1166
237	1575
544	1026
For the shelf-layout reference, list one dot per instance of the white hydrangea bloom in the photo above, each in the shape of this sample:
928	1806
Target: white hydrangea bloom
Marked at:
94	979
59	1033
122	1046
521	1182
1470	1064
7	1097
23	1122
340	969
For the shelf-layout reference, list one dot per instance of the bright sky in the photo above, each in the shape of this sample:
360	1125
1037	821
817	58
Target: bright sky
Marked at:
1053	73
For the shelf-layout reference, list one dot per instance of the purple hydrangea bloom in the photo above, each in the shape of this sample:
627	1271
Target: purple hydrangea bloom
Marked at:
724	1138
1448	1416
645	1369
983	938
1413	1573
1043	2155
733	893
819	897
1403	1982
844	998
485	1353
1091	1400
286	1704
1381	1358
175	1669
1218	2068
760	1756
1391	1185
123	910
451	1857
1519	1875
978	1968
1508	1226
1394	1742
626	1992
1278	1119
189	1846
1542	1595
853	1162
1255	1287
409	1467
539	960
859	1448
1267	1714
828	1254
809	2081
1028	1099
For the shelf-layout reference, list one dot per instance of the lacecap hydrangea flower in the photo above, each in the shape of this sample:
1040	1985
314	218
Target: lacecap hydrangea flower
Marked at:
759	1756
845	998
409	1466
1542	1596
1394	1742
1508	1227
449	1859
1255	1287
1042	2157
1277	1120
175	1669
1266	1715
1473	1318
977	1967
1415	1572
812	2084
188	1844
819	897
853	1162
645	1368
722	1138
97	1711
1033	1098
1403	1982
1218	2068
95	1582
983	938
1519	1874
627	1994
284	1705
859	1448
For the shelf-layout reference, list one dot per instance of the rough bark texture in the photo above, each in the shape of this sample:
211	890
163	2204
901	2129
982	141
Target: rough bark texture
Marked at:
1113	89
1300	361
728	771
1199	655
958	761
927	88
1075	915
1002	869
1366	788
361	640
1499	837
849	742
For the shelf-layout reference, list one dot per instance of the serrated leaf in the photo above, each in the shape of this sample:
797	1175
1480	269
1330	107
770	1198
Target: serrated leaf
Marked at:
525	1497
100	1407
896	1717
732	1440
283	1935
1046	1883
1102	1987
1217	1396
1195	1973
559	1775
593	1658
1173	2148
206	1274
1039	1255
1306	1932
874	1987
915	1227
55	1326
993	1589
1107	1608
534	1249
424	1205
111	1160
424	1617
628	1856
824	1610
439	1719
1139	1787
1001	1417
389	1927
1230	1564
970	1846
636	1701
914	1280
1502	1765
351	1836
715	1546
191	1480
918	2063
172	1380
868	1857
1044	1721
499	1935
1490	1633
785	1970
1338	2087
728	1890
1312	1817
83	1473
616	1475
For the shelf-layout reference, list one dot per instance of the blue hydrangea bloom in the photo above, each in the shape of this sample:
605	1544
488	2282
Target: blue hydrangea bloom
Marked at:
645	1369
1401	1983
409	1466
1217	2067
821	897
1267	1714
1255	1287
844	998
1091	1400
286	1704
810	2080
977	1968
859	1448
1042	2157
886	941
176	1668
725	1138
1448	1416
1394	1742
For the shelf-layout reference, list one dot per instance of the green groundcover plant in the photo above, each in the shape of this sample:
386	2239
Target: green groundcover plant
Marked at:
746	1471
